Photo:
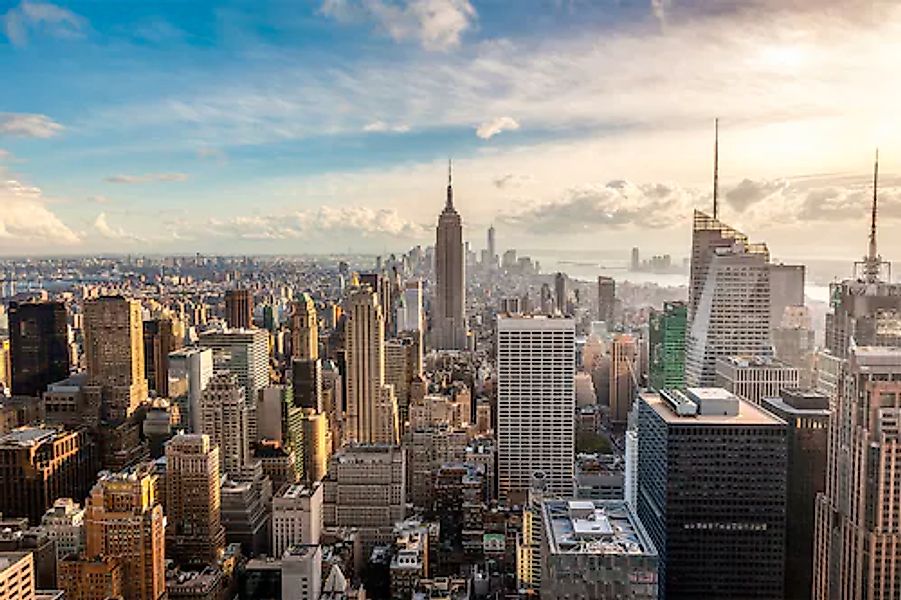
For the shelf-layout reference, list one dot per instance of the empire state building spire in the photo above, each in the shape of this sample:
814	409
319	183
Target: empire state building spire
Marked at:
873	261
450	185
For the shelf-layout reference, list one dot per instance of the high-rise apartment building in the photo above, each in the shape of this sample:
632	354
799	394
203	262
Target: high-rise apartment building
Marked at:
535	403
448	319
623	376
40	464
17	576
666	346
606	299
409	315
807	416
38	346
114	354
371	404
224	417
755	377
124	519
162	336
596	549
729	300
366	488
296	517
712	493
194	532
239	308
190	370
304	324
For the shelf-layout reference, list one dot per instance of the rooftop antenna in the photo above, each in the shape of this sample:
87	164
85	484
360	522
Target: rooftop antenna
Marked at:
450	182
716	164
872	262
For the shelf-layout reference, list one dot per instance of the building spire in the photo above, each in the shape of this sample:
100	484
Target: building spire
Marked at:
873	261
450	184
716	165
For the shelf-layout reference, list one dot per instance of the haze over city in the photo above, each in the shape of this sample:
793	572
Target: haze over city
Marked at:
314	127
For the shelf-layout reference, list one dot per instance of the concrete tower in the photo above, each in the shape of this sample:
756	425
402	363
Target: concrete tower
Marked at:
449	310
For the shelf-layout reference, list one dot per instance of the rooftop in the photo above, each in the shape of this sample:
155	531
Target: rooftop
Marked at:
594	527
746	413
29	436
748	361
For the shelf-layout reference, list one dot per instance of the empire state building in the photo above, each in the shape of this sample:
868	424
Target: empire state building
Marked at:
448	319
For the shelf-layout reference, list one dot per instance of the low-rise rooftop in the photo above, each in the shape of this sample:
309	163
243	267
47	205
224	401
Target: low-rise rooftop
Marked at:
594	527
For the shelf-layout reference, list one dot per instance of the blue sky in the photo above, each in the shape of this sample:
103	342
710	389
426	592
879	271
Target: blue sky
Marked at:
314	126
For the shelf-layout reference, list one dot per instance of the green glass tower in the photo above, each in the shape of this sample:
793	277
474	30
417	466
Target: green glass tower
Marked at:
667	346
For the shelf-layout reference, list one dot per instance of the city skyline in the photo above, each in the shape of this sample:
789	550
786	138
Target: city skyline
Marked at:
208	128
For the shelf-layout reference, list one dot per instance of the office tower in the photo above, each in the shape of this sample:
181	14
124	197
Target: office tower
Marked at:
560	292
224	418
623	376
403	364
630	476
366	488
449	306
296	517
596	549
807	415
317	446
379	283
546	300
635	263
279	463
17	576
409	316
794	344
64	523
370	401
509	259
428	448
606	299
718	523
124	519
96	578
194	532
856	550
492	248
38	345
536	403
239	308
5	365
729	308
40	464
306	383
247	509
755	377
304	324
301	567
190	370
666	346
786	289
246	354
114	354
161	337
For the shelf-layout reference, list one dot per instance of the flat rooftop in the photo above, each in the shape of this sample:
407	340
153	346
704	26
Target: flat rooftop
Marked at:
594	527
755	361
748	413
28	436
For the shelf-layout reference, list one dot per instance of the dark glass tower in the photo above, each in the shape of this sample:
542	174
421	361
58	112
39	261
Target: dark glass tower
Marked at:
39	353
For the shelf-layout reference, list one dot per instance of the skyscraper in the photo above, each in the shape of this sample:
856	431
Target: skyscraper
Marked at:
492	248
410	311
39	352
856	533
114	353
190	370
606	299
536	403
123	519
712	492
161	336
194	532
666	346
224	418
239	308
560	292
371	404
304	329
449	307
729	300
623	376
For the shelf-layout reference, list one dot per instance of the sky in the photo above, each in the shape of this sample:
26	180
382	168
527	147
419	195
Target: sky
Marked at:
322	126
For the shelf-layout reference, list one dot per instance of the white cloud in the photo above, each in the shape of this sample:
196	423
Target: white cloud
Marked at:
27	17
28	125
26	222
147	178
212	153
109	232
491	128
435	24
382	127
